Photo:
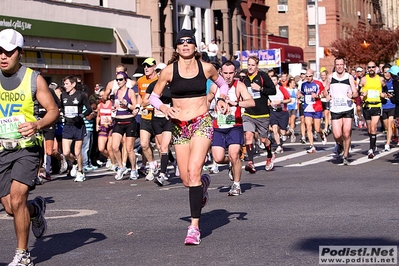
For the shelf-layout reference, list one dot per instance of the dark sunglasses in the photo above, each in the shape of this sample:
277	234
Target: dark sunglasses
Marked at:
308	76
371	66
7	53
147	65
188	41
121	79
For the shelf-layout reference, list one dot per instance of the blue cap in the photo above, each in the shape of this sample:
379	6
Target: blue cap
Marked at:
394	70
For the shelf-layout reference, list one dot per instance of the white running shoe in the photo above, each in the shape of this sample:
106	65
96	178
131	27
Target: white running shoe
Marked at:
119	173
230	173
74	170
387	147
370	154
159	179
324	139
113	167
214	169
80	177
150	175
134	175
279	149
292	137
63	164
261	145
312	149
177	172
22	257
108	164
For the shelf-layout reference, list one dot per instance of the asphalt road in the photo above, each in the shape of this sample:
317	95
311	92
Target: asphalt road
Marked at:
282	217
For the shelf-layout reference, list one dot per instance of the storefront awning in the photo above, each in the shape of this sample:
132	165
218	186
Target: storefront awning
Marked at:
289	54
129	46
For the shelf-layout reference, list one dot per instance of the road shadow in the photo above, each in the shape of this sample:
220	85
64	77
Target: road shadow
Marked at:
215	219
52	245
312	244
244	187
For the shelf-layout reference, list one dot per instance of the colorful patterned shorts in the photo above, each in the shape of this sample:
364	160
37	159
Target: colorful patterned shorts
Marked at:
183	131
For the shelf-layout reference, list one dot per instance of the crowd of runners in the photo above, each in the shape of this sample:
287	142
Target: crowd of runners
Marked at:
209	112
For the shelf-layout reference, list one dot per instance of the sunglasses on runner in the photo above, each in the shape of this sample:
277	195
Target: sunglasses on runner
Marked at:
188	41
121	79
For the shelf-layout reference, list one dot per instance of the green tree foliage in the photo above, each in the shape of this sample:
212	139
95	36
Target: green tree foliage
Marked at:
362	46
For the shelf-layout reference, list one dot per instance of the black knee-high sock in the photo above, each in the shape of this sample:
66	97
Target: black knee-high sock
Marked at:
373	141
171	157
250	152
195	197
269	151
164	162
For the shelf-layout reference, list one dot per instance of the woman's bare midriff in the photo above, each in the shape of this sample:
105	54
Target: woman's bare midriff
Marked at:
190	108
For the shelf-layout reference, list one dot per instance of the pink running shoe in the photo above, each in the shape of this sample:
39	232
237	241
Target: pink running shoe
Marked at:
193	236
206	180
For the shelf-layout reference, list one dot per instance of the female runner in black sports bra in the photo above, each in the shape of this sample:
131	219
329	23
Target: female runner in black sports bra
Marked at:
192	129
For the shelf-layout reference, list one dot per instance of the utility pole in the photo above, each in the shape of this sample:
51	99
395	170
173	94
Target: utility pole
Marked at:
317	39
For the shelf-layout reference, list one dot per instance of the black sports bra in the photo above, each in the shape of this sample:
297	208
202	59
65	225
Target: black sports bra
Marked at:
188	87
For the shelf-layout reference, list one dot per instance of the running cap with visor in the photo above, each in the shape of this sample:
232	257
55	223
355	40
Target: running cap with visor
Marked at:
11	39
185	33
394	70
149	61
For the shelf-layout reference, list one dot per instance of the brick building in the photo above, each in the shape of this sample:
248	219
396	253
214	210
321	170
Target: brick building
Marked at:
295	19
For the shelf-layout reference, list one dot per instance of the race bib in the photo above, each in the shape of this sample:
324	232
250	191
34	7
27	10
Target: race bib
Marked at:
106	119
9	127
225	121
254	94
339	102
375	94
158	113
309	99
71	111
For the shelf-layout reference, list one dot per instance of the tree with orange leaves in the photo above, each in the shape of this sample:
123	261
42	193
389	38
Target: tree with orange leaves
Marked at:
378	45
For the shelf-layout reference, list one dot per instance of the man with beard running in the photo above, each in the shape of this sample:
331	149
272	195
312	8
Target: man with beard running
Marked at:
371	92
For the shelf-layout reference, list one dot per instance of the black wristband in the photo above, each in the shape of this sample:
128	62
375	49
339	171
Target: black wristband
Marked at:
221	99
237	104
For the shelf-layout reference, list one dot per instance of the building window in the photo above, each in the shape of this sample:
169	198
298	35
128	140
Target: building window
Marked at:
311	2
282	2
312	65
283	31
311	35
127	60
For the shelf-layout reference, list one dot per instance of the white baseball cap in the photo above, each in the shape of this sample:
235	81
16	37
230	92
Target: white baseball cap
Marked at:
11	39
359	69
160	66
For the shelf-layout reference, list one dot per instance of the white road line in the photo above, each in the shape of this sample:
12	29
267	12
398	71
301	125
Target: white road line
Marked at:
75	213
365	159
317	160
